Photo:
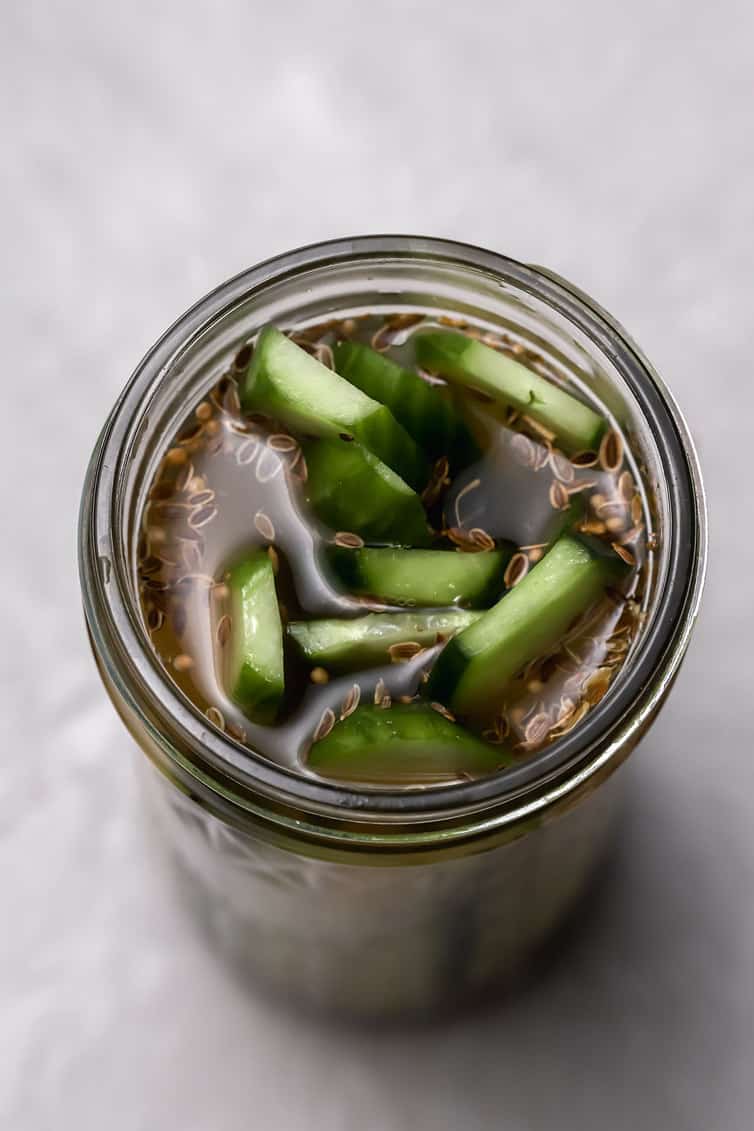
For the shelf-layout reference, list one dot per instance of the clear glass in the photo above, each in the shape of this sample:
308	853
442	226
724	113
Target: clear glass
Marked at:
384	901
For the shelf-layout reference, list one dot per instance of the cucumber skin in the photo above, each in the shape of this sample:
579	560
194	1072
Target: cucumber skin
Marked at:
420	408
257	691
371	636
350	489
457	679
406	743
322	403
356	568
476	365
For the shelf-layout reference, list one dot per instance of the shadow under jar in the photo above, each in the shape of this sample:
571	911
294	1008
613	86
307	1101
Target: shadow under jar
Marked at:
367	900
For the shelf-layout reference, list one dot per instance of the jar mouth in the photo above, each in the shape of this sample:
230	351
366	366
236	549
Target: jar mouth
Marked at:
242	776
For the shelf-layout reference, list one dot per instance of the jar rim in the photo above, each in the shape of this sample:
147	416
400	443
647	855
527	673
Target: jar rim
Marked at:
252	783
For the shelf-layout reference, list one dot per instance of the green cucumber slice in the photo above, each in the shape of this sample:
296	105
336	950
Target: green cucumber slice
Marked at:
422	410
471	673
284	381
253	657
352	490
343	645
407	744
423	577
472	363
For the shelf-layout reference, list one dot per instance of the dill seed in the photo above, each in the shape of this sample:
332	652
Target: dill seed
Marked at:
624	553
281	442
559	497
297	467
220	592
324	354
272	554
182	662
561	466
637	511
595	685
593	526
319	675
268	466
216	717
351	702
481	538
472	486
223	630
517	569
201	517
611	451
264	526
631	535
203	411
405	650
615	524
246	451
348	540
626	486
470	542
379	692
236	732
442	710
155	618
585	459
176	456
325	725
201	498
523	450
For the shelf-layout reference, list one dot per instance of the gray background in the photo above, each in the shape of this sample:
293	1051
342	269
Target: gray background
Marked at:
150	150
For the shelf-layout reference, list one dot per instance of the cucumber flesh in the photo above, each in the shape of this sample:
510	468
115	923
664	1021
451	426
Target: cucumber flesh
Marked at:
344	645
423	577
471	673
422	409
287	383
352	490
459	358
254	674
407	744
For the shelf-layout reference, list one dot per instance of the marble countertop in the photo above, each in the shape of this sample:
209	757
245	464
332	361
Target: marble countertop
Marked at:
152	150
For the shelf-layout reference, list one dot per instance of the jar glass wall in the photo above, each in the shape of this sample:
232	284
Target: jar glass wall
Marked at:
383	900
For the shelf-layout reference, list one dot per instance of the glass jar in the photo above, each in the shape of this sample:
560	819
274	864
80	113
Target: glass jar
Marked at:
379	901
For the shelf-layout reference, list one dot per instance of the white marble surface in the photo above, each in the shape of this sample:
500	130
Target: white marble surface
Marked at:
149	151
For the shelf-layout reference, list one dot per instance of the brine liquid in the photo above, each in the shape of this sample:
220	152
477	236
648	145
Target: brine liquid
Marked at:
230	483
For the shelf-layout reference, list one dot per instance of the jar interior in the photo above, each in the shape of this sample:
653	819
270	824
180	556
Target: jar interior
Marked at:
373	284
